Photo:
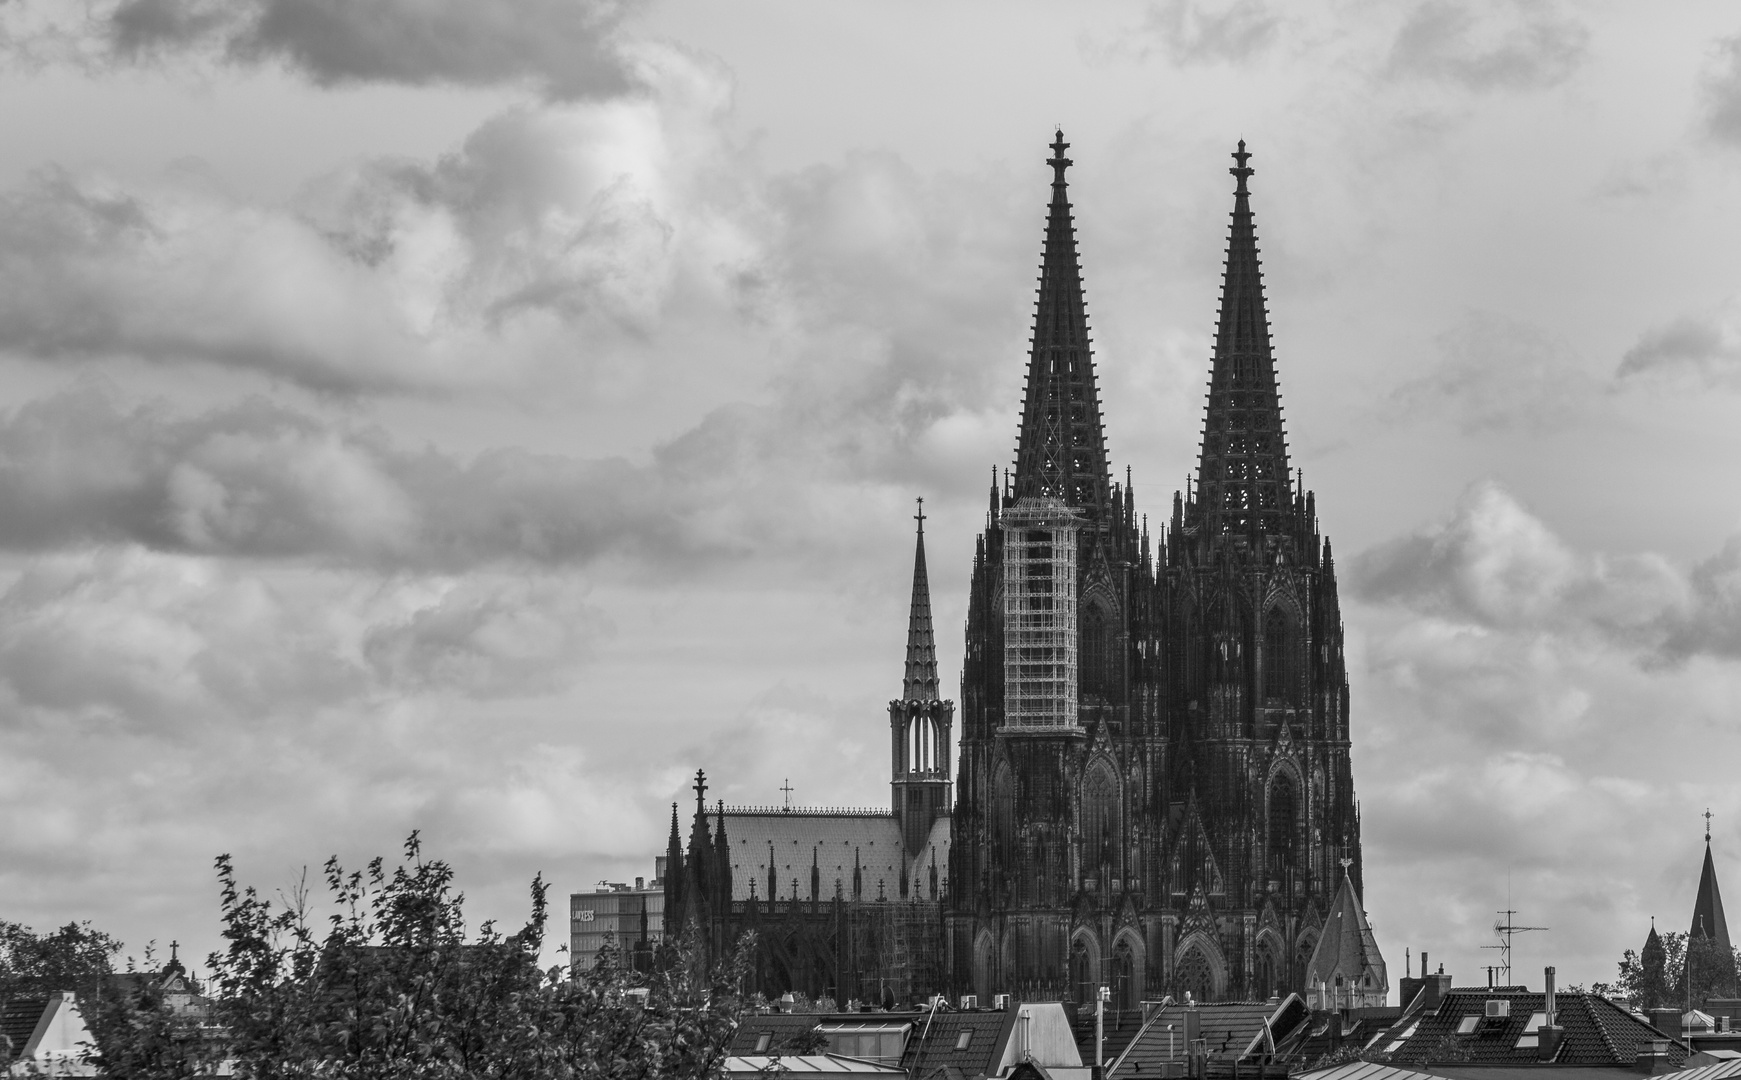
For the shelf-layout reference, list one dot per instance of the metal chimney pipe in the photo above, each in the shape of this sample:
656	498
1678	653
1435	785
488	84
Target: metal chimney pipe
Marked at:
1548	981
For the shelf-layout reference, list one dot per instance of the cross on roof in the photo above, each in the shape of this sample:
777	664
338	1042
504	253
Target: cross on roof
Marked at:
787	788
920	516
173	945
1707	824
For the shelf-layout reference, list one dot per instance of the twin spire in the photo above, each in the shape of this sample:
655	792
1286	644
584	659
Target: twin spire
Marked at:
1243	483
1242	474
1061	451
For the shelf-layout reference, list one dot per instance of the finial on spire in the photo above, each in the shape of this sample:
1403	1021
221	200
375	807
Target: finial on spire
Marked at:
1707	824
1241	171
920	516
700	787
1059	162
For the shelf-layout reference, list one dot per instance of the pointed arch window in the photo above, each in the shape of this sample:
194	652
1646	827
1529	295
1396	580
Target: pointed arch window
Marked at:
1283	816
1278	668
1003	814
1100	818
1096	658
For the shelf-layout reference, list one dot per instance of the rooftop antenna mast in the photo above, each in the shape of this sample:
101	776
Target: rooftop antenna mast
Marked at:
1506	928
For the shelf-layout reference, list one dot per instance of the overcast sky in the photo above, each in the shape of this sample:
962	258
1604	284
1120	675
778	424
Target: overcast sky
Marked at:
476	415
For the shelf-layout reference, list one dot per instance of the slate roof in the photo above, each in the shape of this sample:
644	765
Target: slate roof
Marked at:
1362	1070
812	1065
1597	1031
926	1052
929	1051
1232	1031
1319	1036
1708	919
831	838
1121	1026
1347	948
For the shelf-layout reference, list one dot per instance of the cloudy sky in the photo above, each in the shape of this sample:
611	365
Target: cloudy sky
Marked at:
475	415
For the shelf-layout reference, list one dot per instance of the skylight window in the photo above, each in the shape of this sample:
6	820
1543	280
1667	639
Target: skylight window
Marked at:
963	1039
1403	1038
1531	1031
1468	1024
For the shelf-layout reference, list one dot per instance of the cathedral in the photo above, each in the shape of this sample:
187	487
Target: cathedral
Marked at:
1153	790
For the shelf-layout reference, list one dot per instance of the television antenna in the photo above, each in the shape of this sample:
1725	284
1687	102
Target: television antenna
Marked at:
1506	929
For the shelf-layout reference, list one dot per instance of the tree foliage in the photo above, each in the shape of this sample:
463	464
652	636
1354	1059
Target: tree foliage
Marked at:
392	987
1659	978
75	957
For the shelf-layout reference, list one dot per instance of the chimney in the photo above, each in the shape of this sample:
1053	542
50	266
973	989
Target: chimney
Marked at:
1550	1034
1653	1058
1667	1021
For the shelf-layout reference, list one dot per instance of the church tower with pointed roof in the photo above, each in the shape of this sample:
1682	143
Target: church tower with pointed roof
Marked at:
1154	791
1710	958
920	721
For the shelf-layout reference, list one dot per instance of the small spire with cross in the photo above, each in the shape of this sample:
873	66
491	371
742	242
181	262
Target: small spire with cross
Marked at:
787	788
1242	170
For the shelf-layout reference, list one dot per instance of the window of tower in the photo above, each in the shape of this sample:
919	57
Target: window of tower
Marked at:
1283	812
1096	657
1003	812
1278	674
1100	824
1194	976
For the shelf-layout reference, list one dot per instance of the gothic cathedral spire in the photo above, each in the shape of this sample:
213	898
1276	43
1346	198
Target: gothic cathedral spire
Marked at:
1061	450
1242	475
921	680
919	721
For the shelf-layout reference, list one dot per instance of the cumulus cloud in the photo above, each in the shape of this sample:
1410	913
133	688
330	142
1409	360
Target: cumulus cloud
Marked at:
257	479
1496	567
1704	347
1186	32
477	270
562	47
1522	709
1497	373
1508	45
174	643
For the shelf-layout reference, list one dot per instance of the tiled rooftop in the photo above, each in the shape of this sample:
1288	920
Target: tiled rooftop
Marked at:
1230	1031
1597	1032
